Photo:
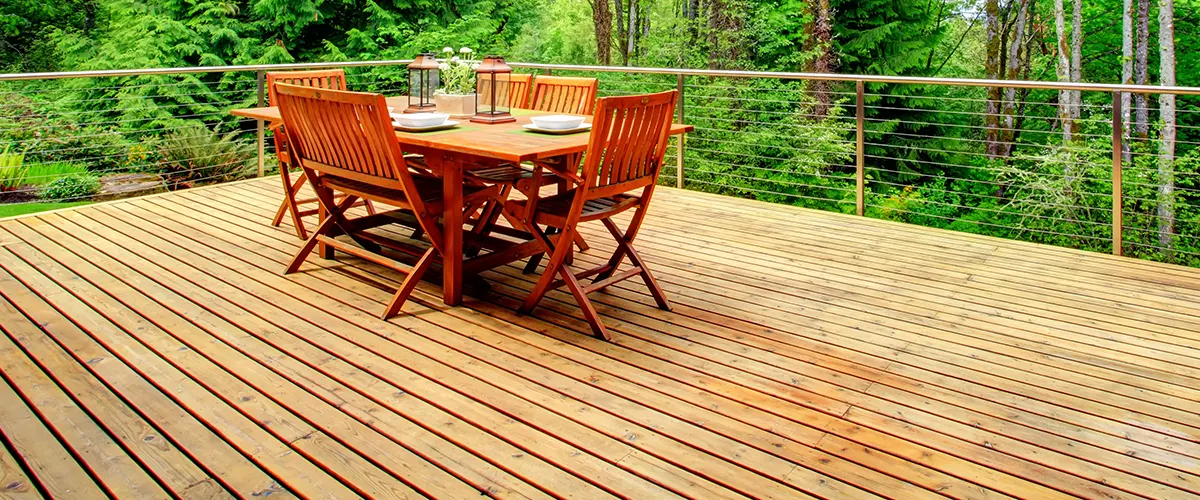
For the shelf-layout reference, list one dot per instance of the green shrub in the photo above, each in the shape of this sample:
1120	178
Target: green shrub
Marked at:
45	173
50	134
12	170
73	187
199	155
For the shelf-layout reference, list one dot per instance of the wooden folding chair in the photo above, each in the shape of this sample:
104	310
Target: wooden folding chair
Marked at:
344	141
624	155
333	79
555	94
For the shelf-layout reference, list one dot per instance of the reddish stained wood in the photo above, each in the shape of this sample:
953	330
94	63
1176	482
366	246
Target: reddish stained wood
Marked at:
564	94
625	154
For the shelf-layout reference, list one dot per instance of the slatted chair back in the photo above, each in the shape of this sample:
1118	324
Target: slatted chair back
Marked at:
347	135
516	92
332	79
628	143
562	94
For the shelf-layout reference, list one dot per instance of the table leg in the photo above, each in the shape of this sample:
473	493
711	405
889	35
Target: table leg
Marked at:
323	250
452	250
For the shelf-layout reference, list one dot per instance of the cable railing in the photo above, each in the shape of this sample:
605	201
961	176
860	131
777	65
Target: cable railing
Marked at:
947	153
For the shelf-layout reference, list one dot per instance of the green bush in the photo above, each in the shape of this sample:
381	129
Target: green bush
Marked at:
198	155
72	187
12	170
50	133
45	173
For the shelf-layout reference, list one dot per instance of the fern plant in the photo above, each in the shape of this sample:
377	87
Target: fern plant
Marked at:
12	170
198	155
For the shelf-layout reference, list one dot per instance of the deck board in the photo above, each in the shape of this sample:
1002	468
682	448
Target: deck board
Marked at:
840	358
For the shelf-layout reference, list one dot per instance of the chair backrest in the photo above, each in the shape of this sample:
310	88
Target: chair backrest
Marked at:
517	90
564	94
333	79
345	134
518	85
627	145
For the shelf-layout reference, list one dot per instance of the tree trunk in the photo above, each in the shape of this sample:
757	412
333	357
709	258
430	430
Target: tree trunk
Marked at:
622	33
825	60
1127	15
992	72
1062	70
1076	62
1166	111
720	22
89	17
602	23
645	33
631	48
1015	46
1141	112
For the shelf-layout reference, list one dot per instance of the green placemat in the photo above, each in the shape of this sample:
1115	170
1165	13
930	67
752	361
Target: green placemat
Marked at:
460	128
523	112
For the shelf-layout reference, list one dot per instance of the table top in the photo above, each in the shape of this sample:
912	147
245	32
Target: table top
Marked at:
503	141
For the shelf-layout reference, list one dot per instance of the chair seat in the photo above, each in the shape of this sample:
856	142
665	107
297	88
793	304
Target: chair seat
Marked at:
553	210
502	174
429	188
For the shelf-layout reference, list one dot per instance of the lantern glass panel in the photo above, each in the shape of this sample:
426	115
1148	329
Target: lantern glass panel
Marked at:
423	80
494	93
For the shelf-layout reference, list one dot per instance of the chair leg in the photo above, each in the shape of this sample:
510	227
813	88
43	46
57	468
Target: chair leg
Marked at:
630	233
543	284
284	176
328	223
583	246
289	203
309	245
409	284
556	267
655	290
625	247
370	207
534	260
589	312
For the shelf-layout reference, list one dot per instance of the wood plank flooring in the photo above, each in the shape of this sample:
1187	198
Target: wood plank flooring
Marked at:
150	348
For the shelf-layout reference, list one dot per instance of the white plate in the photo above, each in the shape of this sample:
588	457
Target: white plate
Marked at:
442	126
557	131
413	120
558	122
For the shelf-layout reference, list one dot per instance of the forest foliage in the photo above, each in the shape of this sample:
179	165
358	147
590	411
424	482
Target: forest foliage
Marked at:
1026	164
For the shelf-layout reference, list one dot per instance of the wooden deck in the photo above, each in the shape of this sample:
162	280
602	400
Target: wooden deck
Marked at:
151	349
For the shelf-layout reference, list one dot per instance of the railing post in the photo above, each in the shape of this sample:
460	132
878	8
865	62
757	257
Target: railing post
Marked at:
679	138
262	101
859	165
1118	131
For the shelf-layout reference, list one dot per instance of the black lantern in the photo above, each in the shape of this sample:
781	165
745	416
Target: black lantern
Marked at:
492	91
423	80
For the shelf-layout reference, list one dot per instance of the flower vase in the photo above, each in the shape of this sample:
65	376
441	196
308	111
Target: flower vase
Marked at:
455	105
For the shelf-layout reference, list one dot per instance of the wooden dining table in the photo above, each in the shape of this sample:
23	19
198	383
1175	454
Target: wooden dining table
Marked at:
448	153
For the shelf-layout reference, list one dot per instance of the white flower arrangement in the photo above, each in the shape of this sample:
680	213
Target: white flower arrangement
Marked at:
457	74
